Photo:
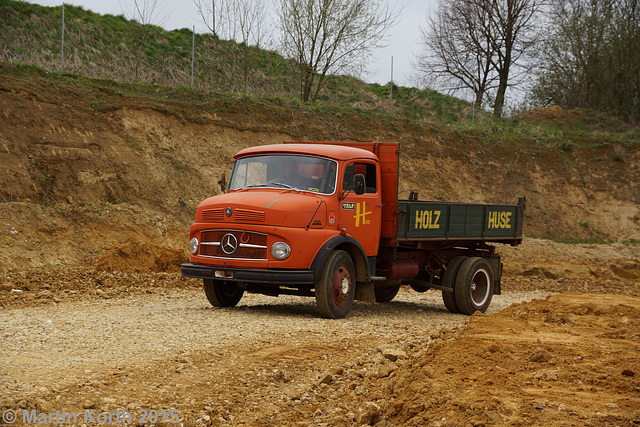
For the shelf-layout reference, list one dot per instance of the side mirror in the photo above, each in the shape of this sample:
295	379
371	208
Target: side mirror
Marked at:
223	183
359	185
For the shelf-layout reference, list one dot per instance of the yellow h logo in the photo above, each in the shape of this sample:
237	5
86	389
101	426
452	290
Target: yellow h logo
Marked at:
362	215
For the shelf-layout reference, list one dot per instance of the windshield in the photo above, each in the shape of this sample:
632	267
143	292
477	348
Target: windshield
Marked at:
296	172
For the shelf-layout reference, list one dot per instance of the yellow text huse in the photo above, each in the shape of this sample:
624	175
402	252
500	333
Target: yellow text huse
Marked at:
499	220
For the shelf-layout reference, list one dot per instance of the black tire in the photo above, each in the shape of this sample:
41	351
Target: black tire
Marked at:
419	288
222	293
449	280
474	285
387	293
335	292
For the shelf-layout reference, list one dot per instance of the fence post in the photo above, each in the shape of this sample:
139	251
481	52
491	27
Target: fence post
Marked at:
193	51
62	50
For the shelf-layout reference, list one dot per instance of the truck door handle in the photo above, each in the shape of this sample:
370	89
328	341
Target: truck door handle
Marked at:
380	205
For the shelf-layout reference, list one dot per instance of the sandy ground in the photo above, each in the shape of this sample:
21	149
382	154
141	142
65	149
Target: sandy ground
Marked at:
561	346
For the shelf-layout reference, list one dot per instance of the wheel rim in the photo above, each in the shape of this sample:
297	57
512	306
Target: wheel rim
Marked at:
229	289
480	287
341	286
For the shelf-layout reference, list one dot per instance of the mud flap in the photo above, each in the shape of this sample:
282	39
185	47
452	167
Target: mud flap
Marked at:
496	269
365	292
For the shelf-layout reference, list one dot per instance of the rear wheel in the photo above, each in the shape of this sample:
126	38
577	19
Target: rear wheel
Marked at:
474	285
449	280
335	292
387	293
222	293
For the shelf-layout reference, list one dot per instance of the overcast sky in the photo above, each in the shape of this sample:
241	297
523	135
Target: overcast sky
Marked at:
403	38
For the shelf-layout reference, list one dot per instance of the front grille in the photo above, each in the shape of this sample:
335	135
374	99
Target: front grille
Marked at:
248	245
249	215
215	214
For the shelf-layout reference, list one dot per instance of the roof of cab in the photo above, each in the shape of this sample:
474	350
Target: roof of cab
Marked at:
336	152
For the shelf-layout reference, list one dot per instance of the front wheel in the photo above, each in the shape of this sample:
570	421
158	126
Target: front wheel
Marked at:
474	285
222	293
335	292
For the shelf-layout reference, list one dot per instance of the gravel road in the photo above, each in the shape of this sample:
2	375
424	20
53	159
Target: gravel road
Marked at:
84	337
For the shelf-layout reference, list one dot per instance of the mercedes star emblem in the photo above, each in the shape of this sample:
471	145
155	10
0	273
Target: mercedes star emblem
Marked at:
229	243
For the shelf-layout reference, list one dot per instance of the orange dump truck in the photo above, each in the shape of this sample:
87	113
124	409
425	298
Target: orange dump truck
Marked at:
324	220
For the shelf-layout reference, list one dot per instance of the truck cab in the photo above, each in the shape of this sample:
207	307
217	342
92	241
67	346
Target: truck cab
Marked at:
289	211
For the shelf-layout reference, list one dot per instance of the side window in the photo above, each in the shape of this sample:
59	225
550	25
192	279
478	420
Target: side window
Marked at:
347	183
366	169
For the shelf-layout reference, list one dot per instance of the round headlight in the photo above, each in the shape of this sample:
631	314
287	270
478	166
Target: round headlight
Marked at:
280	251
193	246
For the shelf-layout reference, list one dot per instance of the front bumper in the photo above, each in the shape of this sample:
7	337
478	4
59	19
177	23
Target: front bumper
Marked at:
276	277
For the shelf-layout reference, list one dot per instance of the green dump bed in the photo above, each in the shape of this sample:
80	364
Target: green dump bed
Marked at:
438	221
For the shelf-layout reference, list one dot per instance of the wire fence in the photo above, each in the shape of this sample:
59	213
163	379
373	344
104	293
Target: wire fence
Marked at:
109	47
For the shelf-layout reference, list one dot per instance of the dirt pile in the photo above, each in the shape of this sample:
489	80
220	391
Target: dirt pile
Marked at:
141	258
537	258
44	287
571	358
554	351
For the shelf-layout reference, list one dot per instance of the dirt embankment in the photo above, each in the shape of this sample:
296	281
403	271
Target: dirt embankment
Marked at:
98	169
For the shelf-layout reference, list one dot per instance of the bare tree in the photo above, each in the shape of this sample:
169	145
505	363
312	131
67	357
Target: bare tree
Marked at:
516	31
250	17
241	20
146	13
475	44
214	14
334	36
250	23
457	49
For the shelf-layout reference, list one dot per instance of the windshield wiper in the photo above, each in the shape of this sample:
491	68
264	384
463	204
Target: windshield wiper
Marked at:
269	184
283	185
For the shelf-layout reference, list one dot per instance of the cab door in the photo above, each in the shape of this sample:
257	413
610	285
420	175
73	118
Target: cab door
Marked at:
361	214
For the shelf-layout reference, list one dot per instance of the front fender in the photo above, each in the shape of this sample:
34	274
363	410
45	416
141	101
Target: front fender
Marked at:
347	243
